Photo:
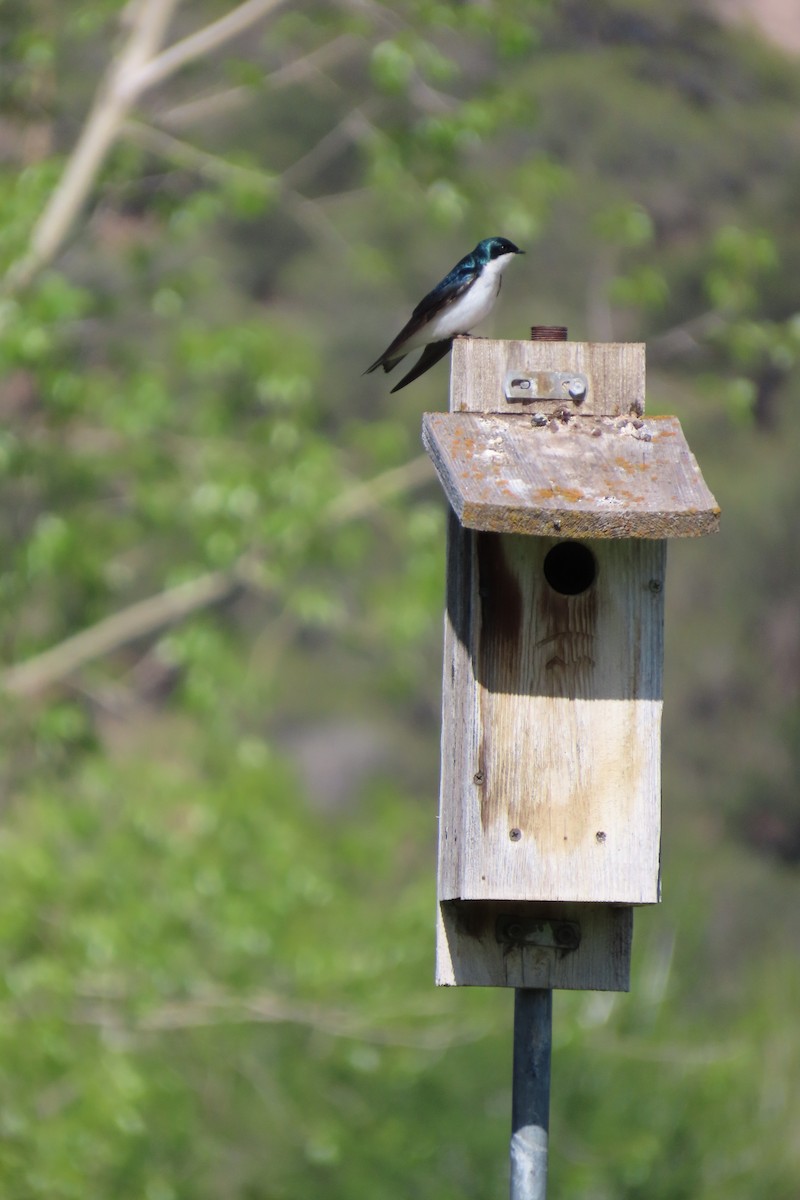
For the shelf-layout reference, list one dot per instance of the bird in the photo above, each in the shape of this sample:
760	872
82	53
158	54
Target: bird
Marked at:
458	302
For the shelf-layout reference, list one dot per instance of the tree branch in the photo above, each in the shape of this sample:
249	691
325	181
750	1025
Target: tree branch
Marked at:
126	626
687	337
111	104
198	44
137	68
314	63
310	65
363	498
147	617
184	154
307	213
351	129
268	1008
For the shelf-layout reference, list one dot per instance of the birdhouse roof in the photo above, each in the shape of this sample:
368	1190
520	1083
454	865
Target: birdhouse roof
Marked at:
566	475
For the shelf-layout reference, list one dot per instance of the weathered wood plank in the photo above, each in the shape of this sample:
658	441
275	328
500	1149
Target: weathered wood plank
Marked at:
616	372
550	773
469	950
581	477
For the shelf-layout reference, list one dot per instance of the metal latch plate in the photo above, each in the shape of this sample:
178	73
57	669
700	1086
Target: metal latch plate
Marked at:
524	387
515	930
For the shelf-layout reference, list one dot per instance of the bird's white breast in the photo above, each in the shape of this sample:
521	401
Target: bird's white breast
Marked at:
471	308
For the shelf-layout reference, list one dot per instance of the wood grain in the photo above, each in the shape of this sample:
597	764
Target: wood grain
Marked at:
616	372
550	772
468	950
598	477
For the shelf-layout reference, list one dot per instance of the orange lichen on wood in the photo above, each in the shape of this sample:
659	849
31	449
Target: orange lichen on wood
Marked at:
501	472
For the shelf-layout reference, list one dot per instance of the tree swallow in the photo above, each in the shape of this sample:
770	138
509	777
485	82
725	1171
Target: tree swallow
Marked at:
456	304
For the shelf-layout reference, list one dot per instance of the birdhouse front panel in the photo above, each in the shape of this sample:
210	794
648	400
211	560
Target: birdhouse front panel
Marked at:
550	784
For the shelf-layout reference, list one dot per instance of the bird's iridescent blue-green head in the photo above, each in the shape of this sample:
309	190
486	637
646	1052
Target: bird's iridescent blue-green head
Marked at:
495	247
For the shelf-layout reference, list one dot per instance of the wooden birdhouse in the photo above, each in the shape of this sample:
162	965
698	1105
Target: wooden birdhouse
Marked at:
563	495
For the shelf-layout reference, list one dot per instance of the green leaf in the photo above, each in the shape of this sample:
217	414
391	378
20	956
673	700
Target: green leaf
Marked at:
391	67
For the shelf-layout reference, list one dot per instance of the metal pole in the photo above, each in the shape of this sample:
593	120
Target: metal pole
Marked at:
530	1104
533	1040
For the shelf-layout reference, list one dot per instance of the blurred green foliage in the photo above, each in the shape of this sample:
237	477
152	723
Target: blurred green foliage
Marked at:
218	826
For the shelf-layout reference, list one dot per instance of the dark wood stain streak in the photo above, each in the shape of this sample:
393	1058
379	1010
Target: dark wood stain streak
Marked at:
566	630
459	589
498	653
501	614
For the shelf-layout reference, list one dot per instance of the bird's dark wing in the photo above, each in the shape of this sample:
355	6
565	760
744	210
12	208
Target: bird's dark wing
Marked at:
430	355
449	289
445	293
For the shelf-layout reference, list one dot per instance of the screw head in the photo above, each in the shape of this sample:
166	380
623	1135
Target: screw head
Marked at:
576	389
567	937
515	834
